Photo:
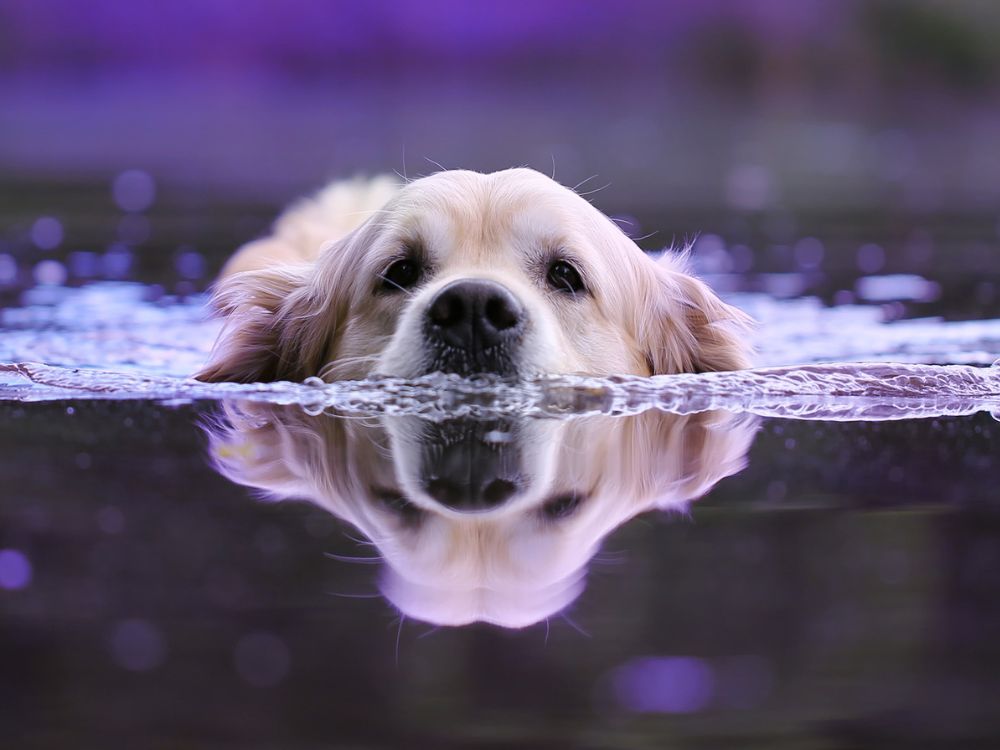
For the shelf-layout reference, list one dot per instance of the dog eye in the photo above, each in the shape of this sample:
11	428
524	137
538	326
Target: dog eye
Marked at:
563	277
401	275
561	506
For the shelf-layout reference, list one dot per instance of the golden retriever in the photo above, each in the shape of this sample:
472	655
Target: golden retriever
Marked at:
462	272
489	520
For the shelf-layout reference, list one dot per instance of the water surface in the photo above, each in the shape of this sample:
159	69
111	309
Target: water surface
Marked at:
800	555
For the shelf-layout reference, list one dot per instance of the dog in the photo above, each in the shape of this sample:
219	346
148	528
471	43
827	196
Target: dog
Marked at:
508	273
481	520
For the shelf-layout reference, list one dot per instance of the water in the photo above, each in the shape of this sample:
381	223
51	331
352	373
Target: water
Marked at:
800	555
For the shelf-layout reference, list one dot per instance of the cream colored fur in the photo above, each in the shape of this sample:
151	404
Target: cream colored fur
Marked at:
304	301
509	566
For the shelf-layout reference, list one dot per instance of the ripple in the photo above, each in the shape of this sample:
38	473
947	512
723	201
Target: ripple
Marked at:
114	340
838	392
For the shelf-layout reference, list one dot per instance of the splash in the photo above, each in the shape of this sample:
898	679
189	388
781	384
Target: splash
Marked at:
873	391
117	341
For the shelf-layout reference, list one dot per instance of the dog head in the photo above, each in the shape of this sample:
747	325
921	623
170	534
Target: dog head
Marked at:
461	272
491	520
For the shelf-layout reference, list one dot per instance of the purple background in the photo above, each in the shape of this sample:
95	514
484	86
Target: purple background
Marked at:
734	105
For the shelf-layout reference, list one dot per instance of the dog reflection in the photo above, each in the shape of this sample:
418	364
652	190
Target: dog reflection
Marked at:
488	520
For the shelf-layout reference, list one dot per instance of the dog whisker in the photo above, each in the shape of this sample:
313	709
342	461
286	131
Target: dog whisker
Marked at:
354	559
595	190
403	289
436	164
569	621
343	595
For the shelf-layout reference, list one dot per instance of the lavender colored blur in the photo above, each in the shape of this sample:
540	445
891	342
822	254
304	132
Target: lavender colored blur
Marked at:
757	105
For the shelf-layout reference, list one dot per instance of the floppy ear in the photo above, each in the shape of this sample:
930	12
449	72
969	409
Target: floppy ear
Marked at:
270	332
691	329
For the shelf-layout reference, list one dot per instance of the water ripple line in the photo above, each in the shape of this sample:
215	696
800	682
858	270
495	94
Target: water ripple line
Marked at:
874	391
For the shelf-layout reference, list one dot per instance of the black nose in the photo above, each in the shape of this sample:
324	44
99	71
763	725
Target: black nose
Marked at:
461	496
470	465
475	315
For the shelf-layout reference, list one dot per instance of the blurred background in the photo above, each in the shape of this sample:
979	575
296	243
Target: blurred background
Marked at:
167	134
841	592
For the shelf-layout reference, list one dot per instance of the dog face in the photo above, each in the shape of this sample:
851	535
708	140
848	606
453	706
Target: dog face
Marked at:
492	520
461	272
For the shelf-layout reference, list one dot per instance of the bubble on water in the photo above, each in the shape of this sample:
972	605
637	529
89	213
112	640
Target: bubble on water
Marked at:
50	272
47	233
262	659
870	258
8	269
808	252
15	570
134	190
664	684
137	645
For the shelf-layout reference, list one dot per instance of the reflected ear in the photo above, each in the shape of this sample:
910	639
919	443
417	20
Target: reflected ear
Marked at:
248	447
692	329
265	336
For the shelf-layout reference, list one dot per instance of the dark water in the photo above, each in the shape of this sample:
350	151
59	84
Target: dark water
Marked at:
805	557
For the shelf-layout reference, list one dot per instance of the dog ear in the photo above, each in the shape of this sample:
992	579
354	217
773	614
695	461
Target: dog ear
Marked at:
265	336
692	330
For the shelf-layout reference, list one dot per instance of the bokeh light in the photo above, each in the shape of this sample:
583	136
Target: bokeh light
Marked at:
15	570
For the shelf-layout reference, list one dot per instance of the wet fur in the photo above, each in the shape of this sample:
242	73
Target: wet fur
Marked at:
301	302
